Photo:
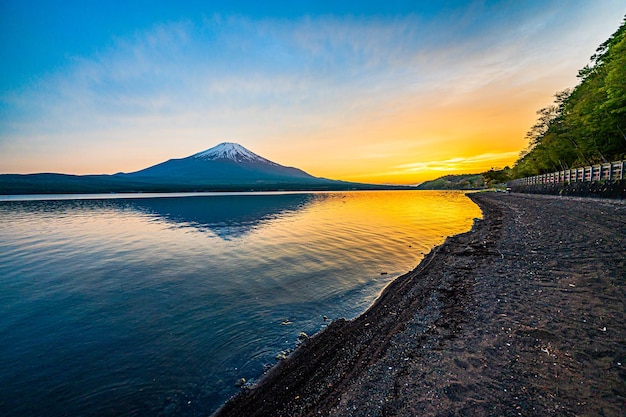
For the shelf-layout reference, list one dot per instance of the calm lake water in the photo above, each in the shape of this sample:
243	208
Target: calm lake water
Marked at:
157	306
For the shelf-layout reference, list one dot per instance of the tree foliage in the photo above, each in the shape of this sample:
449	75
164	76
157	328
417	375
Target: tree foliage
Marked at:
454	182
493	177
587	124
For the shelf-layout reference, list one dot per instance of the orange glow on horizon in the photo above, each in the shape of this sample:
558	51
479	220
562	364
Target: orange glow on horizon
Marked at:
410	142
416	143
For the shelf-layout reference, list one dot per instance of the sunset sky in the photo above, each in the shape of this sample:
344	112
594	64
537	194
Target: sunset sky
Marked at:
370	91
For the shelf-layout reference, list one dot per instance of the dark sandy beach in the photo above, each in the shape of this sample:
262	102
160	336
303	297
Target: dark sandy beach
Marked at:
524	315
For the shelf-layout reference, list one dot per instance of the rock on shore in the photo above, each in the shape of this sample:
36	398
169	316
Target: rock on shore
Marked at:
523	315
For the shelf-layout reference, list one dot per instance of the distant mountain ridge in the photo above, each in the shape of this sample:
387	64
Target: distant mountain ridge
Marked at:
225	167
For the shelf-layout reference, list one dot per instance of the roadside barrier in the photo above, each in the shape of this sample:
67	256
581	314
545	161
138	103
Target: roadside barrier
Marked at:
611	171
604	180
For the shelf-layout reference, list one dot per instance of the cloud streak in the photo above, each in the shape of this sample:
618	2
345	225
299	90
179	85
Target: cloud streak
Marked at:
456	164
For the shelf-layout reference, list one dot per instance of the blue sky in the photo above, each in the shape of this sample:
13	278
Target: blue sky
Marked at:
371	91
38	36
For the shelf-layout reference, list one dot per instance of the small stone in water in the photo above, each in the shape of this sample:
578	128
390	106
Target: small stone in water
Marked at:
240	382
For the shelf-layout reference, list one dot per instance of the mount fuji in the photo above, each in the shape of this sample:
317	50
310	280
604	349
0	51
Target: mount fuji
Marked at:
226	163
225	167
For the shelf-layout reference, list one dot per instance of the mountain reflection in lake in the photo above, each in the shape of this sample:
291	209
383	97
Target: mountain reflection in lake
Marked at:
158	306
225	216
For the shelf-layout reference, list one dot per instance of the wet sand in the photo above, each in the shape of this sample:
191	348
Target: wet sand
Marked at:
524	315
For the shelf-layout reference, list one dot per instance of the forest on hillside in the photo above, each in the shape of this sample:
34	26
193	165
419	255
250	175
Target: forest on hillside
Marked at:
585	125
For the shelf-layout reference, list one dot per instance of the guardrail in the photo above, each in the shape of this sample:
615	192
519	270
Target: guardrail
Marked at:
612	171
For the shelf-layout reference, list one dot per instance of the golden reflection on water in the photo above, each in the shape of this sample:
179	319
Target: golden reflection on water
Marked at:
398	225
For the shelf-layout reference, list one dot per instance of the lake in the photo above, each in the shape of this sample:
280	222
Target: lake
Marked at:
157	305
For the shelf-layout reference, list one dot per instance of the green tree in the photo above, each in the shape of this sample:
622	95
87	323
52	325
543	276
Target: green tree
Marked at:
587	124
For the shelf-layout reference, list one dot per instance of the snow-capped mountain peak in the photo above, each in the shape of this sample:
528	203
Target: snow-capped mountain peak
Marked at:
225	164
232	151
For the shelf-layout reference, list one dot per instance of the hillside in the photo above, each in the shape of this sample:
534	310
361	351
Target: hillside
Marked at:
454	182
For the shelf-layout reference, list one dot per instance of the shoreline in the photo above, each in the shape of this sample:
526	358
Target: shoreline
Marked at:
482	326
